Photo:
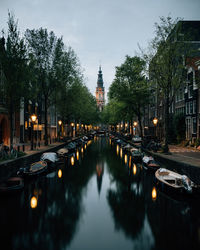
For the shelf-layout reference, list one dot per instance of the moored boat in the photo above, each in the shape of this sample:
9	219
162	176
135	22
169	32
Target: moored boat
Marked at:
35	169
136	154
63	152
127	147
150	163
174	180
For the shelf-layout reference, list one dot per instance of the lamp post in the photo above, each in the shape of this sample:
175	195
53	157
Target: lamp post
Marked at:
134	127
72	125
59	123
155	121
33	119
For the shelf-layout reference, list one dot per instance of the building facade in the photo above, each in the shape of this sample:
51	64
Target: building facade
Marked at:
100	92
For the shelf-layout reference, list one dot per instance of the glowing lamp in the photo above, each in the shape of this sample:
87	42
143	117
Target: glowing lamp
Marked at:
135	124
33	202
33	118
155	121
59	173
154	194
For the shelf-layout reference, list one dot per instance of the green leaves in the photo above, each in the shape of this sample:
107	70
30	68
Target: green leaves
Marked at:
129	87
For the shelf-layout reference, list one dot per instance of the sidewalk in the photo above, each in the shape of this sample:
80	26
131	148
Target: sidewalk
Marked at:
182	155
10	167
43	148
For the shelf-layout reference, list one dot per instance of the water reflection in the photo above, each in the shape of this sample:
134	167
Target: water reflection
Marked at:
77	155
154	194
117	149
100	205
33	202
125	158
72	160
59	173
99	172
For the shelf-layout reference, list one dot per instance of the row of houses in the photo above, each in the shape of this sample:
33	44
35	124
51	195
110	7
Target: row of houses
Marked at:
24	129
186	101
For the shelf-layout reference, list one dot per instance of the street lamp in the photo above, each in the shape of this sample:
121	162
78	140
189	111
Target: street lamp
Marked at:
59	123
72	125
33	119
155	121
134	125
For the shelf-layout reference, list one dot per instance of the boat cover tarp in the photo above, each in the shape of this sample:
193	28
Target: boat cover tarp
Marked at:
51	156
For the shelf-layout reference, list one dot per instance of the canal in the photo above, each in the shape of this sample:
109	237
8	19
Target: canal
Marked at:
101	200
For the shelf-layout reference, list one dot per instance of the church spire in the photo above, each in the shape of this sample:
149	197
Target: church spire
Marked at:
100	90
100	78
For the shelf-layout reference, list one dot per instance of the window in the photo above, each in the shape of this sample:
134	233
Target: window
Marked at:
190	93
191	107
194	125
194	107
187	108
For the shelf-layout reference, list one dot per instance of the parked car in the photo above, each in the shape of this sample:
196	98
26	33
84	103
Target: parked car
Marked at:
136	139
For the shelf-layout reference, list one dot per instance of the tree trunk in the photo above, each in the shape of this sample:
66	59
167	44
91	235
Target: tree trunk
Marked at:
130	127
11	125
45	121
166	140
140	125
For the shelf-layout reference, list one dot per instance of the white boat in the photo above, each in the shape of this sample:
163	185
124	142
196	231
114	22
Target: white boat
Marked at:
174	180
50	156
62	152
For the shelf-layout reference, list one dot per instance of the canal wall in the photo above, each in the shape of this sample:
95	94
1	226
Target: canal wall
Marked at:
10	167
192	170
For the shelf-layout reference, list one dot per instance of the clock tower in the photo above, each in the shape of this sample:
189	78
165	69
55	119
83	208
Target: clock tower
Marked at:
100	91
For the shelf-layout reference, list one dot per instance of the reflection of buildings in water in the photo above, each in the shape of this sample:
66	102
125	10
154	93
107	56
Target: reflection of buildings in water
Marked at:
99	172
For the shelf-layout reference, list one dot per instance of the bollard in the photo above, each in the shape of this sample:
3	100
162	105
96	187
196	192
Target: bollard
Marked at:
18	148
23	148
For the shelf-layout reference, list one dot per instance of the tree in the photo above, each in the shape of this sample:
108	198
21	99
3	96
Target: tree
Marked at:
67	74
13	57
166	65
42	49
131	88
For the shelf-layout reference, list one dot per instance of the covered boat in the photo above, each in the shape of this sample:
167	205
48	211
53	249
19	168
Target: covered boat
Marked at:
35	169
49	157
174	180
150	163
71	146
11	185
127	147
136	154
62	152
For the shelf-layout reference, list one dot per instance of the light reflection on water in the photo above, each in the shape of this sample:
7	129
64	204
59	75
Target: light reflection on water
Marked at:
104	203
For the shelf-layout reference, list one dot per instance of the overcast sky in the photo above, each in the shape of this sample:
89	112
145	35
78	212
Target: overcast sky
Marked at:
102	31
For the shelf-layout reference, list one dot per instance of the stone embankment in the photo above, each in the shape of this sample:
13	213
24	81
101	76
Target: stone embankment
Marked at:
10	167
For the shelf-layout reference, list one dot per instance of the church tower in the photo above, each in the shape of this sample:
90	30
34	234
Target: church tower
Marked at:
100	91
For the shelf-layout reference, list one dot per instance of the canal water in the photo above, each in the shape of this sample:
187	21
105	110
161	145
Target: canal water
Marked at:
101	199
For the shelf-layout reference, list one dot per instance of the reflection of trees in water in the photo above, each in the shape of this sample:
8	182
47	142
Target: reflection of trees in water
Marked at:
174	223
10	223
127	200
53	223
127	210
